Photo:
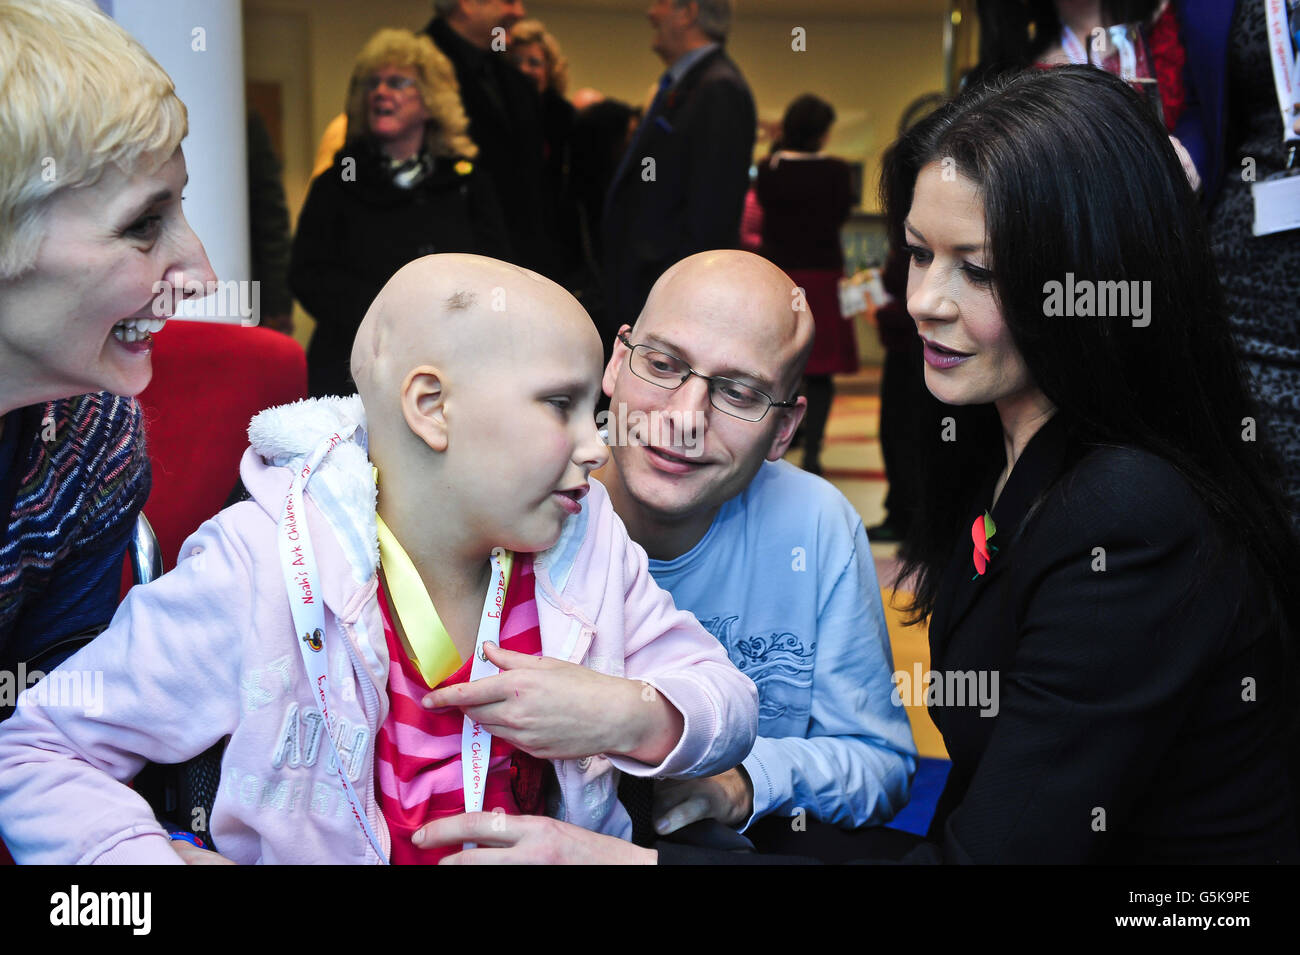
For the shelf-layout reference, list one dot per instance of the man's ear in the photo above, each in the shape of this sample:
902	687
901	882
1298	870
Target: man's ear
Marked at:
615	365
692	17
424	406
790	420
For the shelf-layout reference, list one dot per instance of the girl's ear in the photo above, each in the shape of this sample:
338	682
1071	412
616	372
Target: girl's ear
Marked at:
423	406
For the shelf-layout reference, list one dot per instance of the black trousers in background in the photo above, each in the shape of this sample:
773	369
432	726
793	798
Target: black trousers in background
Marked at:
828	844
820	391
902	396
780	843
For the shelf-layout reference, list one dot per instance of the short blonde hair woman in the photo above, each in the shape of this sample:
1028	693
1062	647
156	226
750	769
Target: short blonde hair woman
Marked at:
91	173
79	95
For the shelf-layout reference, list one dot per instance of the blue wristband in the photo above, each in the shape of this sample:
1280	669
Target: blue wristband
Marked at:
178	835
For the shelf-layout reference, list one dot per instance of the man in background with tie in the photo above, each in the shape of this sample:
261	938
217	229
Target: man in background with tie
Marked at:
680	187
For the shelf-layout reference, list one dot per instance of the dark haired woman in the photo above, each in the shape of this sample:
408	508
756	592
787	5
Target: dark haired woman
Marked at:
806	197
1103	534
1104	559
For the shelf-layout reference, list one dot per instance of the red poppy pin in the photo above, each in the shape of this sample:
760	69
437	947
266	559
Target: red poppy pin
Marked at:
980	532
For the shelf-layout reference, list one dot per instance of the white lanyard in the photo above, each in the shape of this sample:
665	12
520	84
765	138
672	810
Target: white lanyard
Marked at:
1077	54
1072	48
1128	68
298	561
1279	49
475	741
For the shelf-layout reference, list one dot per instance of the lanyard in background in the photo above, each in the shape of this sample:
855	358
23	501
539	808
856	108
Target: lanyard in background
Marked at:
1282	53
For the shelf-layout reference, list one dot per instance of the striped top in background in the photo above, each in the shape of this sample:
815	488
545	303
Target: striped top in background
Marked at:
417	752
73	477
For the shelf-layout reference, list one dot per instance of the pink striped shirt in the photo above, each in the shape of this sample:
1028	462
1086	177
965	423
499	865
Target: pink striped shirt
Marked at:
417	752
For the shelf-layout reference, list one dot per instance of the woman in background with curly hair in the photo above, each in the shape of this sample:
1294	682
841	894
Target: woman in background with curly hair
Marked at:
404	185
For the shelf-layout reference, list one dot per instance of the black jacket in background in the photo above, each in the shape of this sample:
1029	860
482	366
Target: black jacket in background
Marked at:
353	234
702	142
505	122
558	204
805	204
268	221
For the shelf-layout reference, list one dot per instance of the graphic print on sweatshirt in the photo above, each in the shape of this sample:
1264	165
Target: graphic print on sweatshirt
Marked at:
779	662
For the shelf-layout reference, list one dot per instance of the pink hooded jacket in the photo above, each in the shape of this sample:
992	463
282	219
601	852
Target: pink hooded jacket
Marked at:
208	652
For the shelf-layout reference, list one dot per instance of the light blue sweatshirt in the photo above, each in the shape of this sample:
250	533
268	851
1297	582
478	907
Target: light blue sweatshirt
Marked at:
785	580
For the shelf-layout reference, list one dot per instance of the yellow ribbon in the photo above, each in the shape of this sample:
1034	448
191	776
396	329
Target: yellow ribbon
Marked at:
435	656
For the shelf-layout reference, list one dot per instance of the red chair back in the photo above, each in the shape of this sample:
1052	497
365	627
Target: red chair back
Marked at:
209	380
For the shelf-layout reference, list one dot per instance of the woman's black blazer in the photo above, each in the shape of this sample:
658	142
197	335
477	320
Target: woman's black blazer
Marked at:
1137	675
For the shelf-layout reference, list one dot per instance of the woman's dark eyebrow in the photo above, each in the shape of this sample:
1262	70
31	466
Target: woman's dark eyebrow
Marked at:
956	248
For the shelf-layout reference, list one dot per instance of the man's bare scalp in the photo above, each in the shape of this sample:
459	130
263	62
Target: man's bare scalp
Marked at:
736	293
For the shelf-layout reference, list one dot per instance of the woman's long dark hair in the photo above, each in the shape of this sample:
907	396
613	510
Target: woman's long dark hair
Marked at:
1077	176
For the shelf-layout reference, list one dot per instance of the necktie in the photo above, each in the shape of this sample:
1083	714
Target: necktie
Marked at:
665	82
656	105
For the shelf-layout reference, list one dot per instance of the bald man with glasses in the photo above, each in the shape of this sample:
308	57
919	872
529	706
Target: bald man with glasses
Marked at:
773	561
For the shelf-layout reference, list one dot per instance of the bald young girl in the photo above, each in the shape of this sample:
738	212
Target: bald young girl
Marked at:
426	608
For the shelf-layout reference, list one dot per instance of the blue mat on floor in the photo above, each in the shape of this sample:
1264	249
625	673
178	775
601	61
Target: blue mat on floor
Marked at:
915	817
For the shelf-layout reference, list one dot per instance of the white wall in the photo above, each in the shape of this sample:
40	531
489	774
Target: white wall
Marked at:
277	50
199	44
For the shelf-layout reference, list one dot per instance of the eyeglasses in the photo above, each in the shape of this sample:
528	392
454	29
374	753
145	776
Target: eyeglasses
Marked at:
397	84
726	394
